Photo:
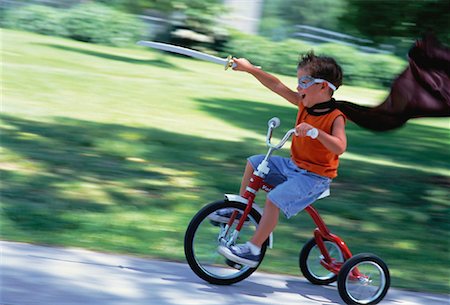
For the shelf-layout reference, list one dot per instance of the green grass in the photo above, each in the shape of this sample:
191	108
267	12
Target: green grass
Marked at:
116	149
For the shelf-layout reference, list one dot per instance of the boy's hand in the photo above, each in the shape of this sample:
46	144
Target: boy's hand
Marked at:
242	64
302	128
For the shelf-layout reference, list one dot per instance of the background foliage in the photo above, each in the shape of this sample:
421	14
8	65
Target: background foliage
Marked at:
36	18
385	22
281	16
88	22
96	23
397	23
91	22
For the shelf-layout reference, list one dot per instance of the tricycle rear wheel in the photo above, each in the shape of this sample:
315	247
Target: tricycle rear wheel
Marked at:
363	279
310	258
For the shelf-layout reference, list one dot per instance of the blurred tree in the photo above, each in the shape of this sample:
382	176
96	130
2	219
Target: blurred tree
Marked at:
196	16
397	22
281	16
168	6
138	6
319	13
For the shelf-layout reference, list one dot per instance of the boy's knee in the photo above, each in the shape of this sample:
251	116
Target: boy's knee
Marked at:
270	204
249	165
255	159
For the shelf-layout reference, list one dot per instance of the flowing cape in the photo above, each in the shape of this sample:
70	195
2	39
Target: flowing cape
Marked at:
422	90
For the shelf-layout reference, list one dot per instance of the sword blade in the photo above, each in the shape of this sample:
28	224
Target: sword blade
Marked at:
185	51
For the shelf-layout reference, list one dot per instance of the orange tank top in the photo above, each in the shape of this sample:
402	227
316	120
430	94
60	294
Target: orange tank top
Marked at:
309	153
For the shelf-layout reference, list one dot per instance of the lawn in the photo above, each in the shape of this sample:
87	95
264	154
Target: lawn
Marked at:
116	149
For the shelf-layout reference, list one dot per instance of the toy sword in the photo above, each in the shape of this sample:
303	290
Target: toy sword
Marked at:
226	62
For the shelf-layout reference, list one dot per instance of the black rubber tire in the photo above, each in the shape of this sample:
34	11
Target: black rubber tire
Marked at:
189	242
303	264
349	265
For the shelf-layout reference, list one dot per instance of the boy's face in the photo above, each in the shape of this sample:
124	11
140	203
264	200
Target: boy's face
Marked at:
314	93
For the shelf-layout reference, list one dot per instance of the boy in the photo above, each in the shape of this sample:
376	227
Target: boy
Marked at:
301	179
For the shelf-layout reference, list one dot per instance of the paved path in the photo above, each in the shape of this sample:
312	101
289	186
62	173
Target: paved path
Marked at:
36	275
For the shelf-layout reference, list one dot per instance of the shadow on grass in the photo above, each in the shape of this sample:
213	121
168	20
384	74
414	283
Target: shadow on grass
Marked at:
84	183
79	166
154	62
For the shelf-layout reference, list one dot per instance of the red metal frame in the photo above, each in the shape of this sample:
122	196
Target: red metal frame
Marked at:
321	233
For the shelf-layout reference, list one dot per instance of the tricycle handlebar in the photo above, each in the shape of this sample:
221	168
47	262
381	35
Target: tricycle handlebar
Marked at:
274	123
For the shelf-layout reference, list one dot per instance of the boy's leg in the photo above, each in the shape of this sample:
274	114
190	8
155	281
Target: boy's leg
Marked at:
274	178
250	253
270	215
267	224
246	177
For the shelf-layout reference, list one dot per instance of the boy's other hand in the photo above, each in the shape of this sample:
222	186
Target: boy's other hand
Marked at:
242	64
302	128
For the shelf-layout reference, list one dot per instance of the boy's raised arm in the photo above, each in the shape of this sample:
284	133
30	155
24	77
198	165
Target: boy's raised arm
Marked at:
268	80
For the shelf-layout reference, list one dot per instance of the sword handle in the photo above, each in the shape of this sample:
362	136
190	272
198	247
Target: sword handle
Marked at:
230	63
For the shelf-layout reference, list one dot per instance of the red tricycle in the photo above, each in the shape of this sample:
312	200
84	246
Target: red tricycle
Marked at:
325	258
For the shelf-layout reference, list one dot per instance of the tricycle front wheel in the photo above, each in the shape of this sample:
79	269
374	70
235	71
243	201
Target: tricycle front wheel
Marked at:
203	237
363	279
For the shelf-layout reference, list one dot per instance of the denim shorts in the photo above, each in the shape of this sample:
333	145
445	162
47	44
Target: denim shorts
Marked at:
294	188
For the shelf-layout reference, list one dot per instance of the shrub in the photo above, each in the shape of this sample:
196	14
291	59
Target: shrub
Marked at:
96	23
89	22
279	57
252	47
283	57
36	18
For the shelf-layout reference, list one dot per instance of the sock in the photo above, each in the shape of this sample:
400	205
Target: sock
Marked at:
254	248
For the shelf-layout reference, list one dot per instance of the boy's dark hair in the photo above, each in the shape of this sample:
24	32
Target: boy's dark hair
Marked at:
321	67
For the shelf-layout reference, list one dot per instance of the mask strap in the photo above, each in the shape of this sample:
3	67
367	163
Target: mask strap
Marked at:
319	80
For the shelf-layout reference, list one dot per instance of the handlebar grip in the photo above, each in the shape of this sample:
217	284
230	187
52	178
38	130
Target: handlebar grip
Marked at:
313	133
274	122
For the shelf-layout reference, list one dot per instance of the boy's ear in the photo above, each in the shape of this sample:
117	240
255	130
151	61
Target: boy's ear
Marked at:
326	86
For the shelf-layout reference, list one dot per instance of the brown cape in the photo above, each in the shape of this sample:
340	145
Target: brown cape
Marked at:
422	90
